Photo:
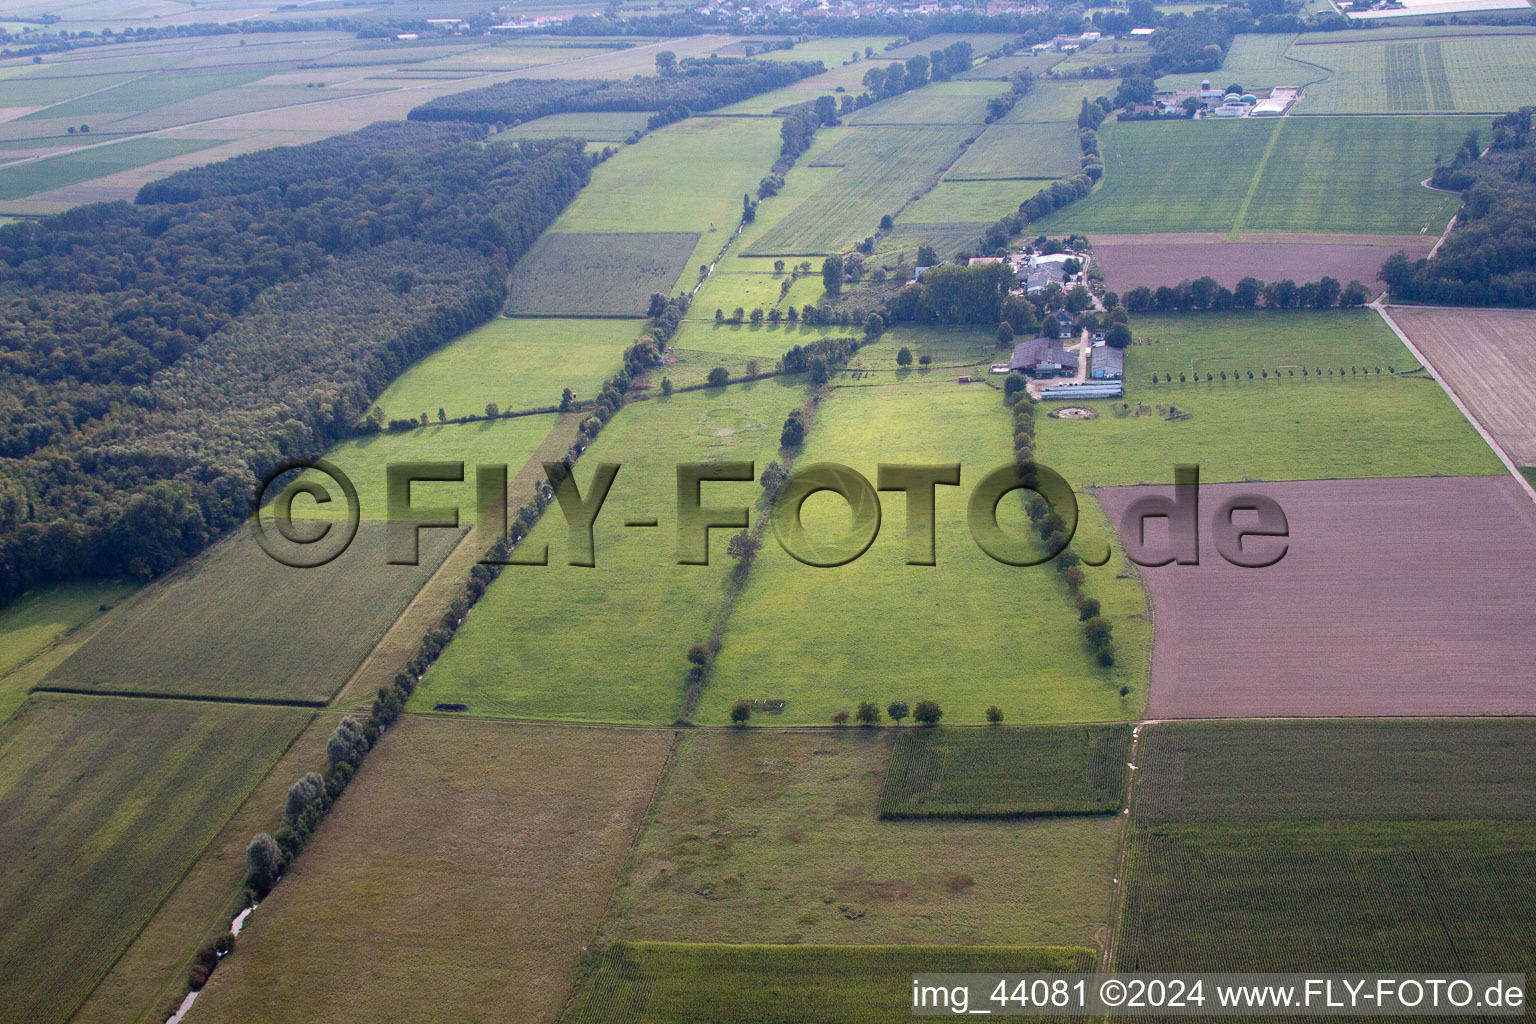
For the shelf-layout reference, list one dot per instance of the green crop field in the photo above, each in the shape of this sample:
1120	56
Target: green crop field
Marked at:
832	52
1210	772
1278	341
509	442
49	85
1491	72
1006	772
36	618
1256	62
519	363
1294	846
1039	150
947	237
235	623
603	275
1050	102
675	983
883	169
593	127
774	836
25	179
609	643
1350	176
878	629
967	202
151	92
1287	897
106	801
689	176
939	103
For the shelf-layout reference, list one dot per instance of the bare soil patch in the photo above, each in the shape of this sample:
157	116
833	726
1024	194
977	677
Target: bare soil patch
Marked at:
1488	357
1396	597
1129	261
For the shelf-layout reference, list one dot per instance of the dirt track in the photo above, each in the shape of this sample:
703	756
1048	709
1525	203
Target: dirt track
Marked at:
1397	597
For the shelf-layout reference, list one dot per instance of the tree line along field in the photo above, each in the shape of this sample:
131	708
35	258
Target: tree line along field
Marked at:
234	623
608	274
652	982
774	836
1007	772
609	643
1350	176
107	801
518	363
878	629
1400	846
478	854
1285	426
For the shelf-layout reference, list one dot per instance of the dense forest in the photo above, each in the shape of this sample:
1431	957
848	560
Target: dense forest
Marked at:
157	358
690	86
1489	258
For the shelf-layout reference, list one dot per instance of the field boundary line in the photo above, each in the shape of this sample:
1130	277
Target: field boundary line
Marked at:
1498	449
1123	856
274	702
1258	174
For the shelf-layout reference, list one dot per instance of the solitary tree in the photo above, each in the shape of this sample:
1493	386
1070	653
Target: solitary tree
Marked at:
840	718
995	715
492	410
1118	336
927	712
898	710
442	416
666	385
741	713
868	713
1005	333
743	546
567	396
904	356
666	62
719	377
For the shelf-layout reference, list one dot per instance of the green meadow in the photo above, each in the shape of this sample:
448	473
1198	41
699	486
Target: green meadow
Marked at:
519	363
609	643
32	621
878	629
1289	427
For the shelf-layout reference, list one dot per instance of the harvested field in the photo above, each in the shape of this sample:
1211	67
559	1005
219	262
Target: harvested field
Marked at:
774	836
479	855
1488	358
106	802
1128	261
234	623
1396	597
598	274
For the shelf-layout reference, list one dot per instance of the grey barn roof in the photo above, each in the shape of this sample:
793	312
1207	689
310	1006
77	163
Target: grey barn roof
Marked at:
1107	358
1041	350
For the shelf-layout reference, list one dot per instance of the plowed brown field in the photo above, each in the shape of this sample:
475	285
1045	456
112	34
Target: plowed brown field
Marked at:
1396	597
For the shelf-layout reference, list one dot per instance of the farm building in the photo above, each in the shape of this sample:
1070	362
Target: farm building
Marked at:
1143	33
1076	392
1108	363
1043	357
